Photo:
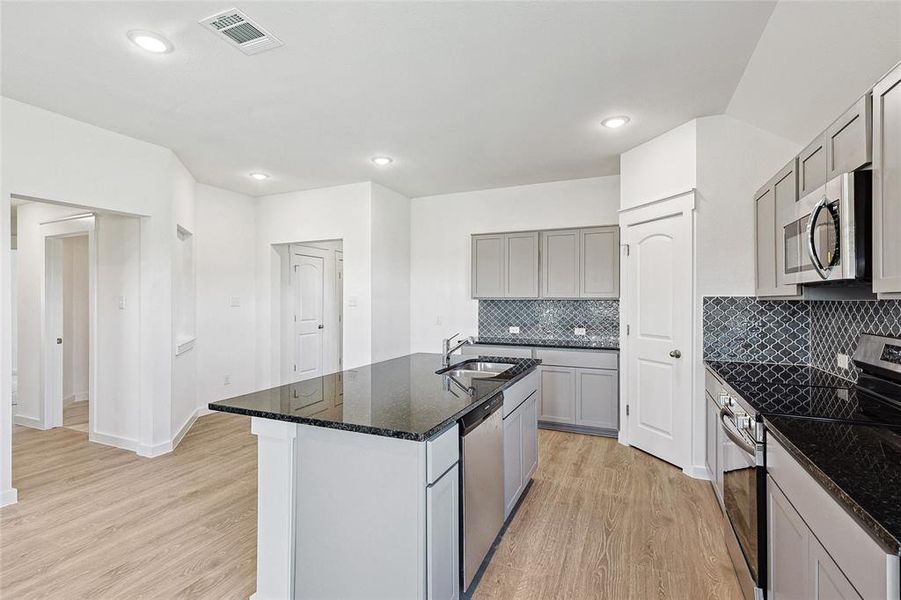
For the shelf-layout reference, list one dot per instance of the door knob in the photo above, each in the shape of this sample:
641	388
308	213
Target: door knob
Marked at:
59	340
321	326
675	354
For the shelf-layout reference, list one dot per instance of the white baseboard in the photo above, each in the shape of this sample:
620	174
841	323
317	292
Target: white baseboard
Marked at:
32	422
76	397
697	472
154	450
114	441
10	496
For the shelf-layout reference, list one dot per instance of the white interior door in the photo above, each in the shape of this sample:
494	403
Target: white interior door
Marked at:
53	334
308	279
658	354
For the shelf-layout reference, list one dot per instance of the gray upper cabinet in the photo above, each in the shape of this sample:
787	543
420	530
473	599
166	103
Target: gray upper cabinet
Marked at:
849	139
488	265
564	263
521	279
560	263
812	166
887	184
772	201
599	249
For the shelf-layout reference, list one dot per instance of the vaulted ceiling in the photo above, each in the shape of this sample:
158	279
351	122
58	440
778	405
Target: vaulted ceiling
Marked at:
463	95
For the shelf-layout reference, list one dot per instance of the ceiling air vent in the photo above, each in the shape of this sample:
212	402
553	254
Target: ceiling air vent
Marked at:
239	30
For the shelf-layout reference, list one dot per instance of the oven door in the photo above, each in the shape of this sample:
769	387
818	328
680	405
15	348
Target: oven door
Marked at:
743	480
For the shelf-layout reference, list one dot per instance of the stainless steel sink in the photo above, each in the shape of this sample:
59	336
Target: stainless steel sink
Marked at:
475	369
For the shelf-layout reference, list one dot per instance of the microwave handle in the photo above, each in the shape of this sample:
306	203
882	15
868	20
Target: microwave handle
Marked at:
822	271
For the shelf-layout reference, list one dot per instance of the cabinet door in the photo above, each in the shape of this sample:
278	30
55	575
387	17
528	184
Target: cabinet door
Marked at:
558	394
513	458
887	184
521	279
849	140
488	266
788	547
826	580
776	206
560	264
529	438
713	417
443	537
599	250
597	398
812	166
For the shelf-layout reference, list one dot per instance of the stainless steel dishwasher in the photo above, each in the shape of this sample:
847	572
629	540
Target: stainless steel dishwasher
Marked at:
482	434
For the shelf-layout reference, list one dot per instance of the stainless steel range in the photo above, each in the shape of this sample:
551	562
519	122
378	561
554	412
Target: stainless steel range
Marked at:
739	395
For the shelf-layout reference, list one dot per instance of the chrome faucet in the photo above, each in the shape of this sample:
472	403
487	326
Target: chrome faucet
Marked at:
447	350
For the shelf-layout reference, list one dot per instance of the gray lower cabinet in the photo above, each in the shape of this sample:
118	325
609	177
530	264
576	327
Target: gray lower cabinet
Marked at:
595	388
442	537
558	395
599	262
560	263
587	398
798	565
712	427
887	184
520	450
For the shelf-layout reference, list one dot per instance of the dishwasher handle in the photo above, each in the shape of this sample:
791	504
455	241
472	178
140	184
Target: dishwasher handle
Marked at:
477	416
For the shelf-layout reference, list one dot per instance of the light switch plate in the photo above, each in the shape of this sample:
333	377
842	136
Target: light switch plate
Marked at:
514	329
579	331
235	301
842	361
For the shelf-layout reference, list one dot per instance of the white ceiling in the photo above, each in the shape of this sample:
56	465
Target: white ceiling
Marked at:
464	95
813	60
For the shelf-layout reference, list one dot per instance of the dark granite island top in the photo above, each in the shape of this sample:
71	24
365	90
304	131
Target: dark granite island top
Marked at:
401	398
860	466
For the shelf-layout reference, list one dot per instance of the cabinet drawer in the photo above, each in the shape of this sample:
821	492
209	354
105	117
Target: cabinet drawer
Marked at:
862	560
506	351
586	359
518	392
442	451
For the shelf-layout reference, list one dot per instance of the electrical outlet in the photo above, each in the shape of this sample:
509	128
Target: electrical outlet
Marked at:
121	302
579	331
514	329
437	319
842	361
227	379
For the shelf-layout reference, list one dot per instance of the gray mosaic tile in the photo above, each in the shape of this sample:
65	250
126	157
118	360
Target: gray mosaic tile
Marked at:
794	332
550	319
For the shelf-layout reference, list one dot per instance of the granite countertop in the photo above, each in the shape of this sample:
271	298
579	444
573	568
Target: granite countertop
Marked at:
598	343
401	398
859	465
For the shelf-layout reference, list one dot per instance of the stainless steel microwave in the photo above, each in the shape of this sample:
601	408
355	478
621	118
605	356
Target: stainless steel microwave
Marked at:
826	234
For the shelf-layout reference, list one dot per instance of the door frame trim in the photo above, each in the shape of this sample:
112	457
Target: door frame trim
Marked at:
683	203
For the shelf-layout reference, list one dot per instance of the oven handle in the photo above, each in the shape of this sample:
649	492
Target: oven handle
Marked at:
735	438
822	271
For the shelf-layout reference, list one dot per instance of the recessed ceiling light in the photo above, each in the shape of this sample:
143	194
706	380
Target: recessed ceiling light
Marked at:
382	161
259	176
615	122
149	41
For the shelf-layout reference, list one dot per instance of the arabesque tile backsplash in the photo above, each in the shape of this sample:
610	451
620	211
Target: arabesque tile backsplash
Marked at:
794	331
550	319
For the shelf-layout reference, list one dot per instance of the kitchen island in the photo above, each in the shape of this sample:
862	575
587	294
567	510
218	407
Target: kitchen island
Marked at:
359	481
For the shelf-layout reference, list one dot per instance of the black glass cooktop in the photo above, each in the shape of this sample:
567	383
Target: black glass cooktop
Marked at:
801	391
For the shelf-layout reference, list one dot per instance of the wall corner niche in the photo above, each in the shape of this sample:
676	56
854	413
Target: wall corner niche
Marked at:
185	317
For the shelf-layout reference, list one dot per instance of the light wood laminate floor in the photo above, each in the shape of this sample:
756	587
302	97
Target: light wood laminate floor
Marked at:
75	415
600	521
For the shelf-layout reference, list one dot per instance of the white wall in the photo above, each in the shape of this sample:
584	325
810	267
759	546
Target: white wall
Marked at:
390	274
116	408
75	318
225	230
440	243
660	168
341	212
